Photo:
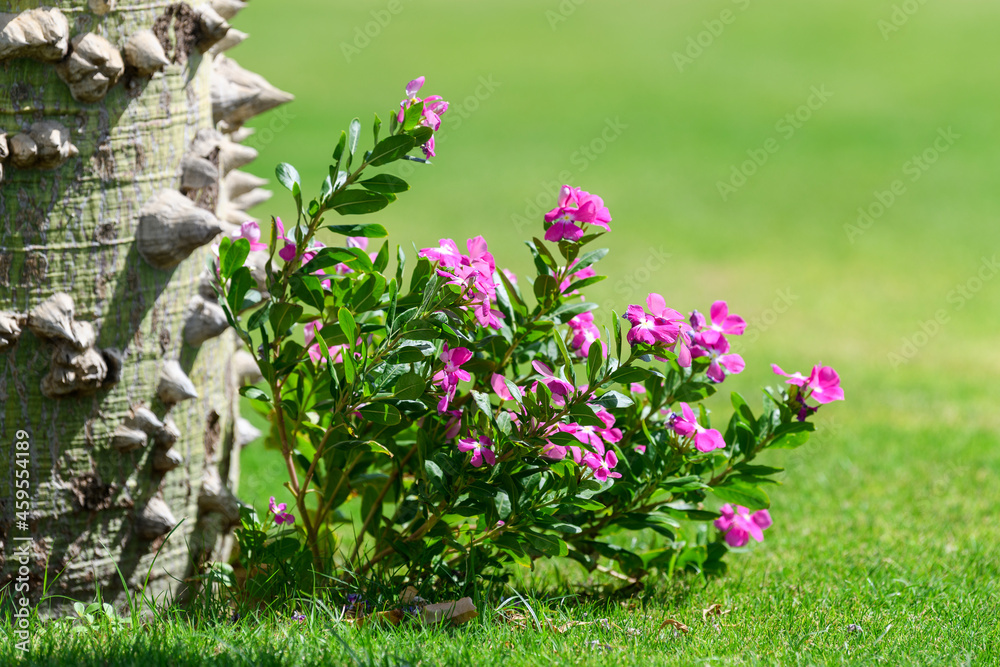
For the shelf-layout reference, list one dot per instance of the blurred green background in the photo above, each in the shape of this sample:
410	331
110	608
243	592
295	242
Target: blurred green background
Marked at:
595	94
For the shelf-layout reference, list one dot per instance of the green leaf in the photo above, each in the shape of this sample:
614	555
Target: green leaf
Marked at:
568	311
382	258
326	189
327	257
258	317
790	440
287	176
743	410
595	358
309	289
357	202
616	323
385	183
434	474
413	115
421	135
502	501
630	374
353	133
589	258
381	413
283	316
751	497
550	545
790	436
233	257
757	470
546	288
409	386
613	399
390	149
338	152
254	394
239	286
544	253
348	326
376	126
368	230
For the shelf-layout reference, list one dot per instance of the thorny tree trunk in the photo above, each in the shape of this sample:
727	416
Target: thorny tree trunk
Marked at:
118	168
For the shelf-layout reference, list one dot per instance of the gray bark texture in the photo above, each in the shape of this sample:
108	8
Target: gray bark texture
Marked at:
113	357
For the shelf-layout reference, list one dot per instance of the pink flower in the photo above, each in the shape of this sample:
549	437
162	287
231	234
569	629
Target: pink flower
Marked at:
602	462
434	107
473	271
287	251
563	231
585	333
823	383
720	321
250	231
714	345
481	450
578	206
447	379
454	424
686	424
556	385
796	378
652	329
280	515
500	387
739	525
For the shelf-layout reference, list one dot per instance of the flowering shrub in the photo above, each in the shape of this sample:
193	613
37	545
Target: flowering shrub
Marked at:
482	419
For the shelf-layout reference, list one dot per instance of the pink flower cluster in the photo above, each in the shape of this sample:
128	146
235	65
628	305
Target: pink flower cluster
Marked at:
434	107
474	271
575	210
665	327
708	339
600	459
280	515
823	384
739	525
447	378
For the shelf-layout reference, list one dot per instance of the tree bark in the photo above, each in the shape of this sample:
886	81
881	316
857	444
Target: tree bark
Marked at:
104	211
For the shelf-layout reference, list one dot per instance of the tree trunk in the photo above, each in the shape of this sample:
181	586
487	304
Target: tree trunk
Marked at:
118	172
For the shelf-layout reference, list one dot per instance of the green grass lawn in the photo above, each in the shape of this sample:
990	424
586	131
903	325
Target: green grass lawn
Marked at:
887	519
